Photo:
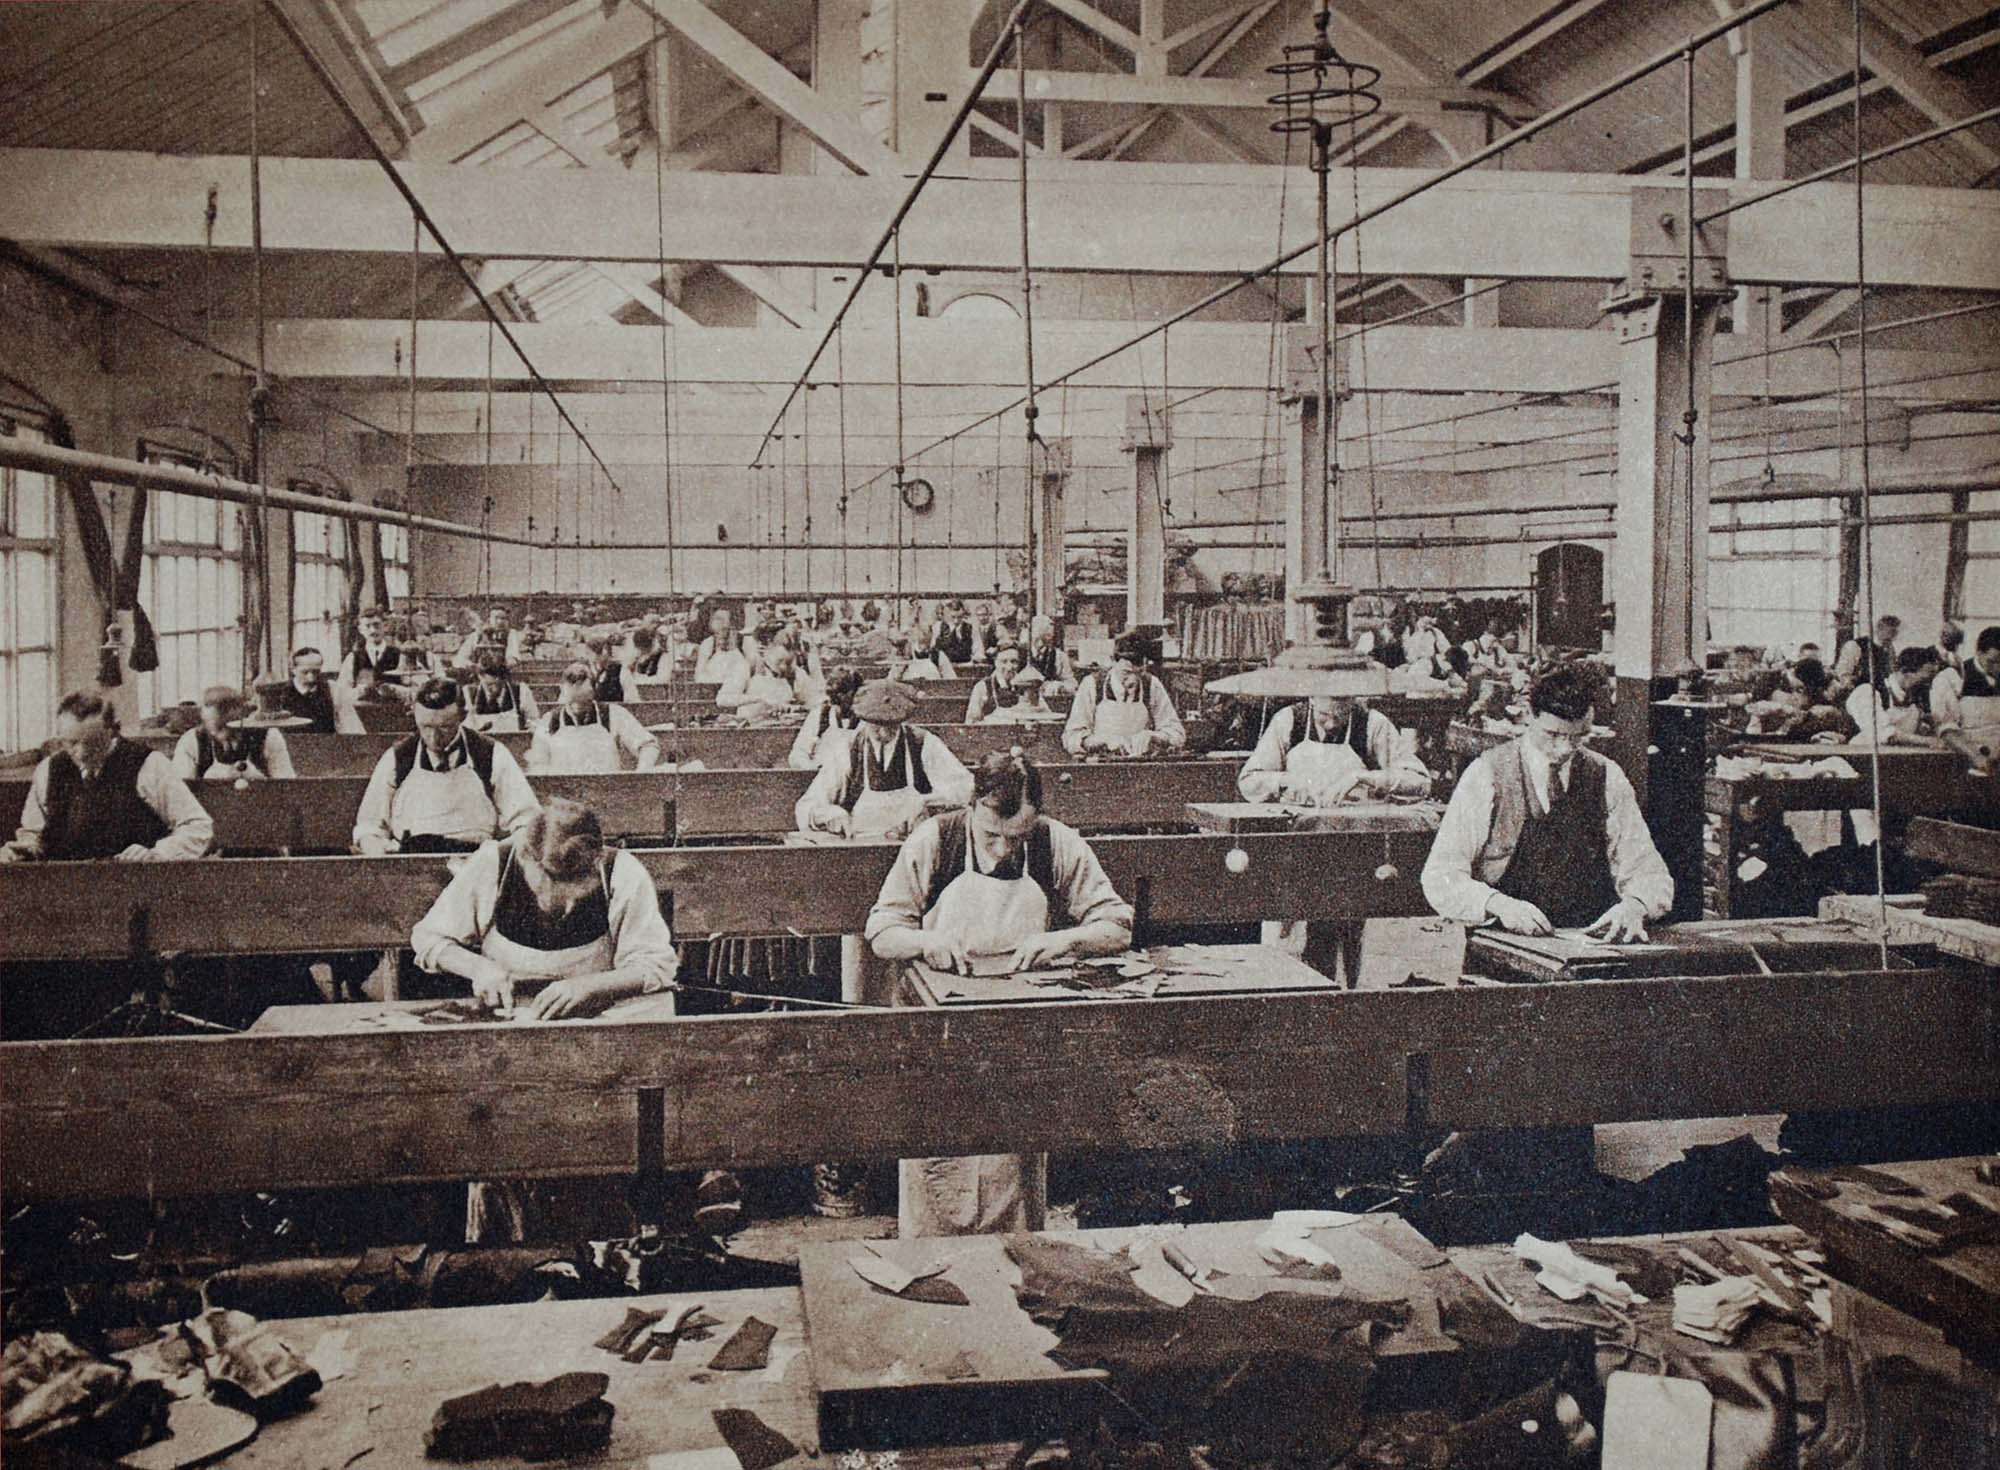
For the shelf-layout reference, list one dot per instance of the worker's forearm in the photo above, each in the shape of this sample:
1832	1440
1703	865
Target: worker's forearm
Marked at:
1102	937
453	958
906	942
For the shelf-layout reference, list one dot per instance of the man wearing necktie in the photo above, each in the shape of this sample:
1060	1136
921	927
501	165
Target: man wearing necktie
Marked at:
1542	834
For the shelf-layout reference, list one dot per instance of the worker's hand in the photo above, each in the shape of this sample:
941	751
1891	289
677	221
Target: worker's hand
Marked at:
1368	784
8	855
373	844
572	999
836	820
1040	951
1623	923
245	771
1517	917
492	985
943	953
136	853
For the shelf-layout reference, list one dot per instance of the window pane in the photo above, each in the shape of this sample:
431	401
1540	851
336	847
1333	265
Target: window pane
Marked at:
33	503
29	582
34	682
232	529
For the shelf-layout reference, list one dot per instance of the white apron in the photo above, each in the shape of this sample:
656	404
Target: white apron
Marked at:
1331	767
1979	722
584	750
864	979
1123	724
770	691
450	803
981	1194
502	1209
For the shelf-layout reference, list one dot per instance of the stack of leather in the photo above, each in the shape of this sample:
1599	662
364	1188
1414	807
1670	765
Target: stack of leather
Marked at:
1957	896
1233	631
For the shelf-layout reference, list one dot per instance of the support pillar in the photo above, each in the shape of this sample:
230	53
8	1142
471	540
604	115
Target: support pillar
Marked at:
1311	564
1660	577
1148	436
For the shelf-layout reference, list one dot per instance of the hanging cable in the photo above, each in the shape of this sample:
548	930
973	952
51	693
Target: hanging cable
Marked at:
1029	411
840	367
488	476
896	281
260	389
1867	506
666	378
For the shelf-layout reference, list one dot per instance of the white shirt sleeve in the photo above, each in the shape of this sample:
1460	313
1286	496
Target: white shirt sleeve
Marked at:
1947	700
1166	719
1087	891
278	756
801	756
371	822
835	757
640	940
1262	776
187	756
900	905
1082	717
539	753
735	690
1637	869
461	914
346	718
1450	887
530	711
1394	751
190	829
950	780
977	706
513	798
639	742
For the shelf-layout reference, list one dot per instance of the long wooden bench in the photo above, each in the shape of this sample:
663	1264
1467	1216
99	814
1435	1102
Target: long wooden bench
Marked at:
196	1115
318	812
113	910
717	747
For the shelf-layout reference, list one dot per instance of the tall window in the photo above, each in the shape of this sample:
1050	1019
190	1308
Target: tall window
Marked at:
319	581
1772	587
191	585
1982	567
28	571
395	562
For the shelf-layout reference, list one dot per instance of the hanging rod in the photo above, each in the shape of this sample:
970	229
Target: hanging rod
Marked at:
108	469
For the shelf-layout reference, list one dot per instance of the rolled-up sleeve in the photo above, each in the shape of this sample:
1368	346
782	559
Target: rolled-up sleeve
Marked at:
1450	886
1394	751
1262	777
1082	717
1637	869
372	821
835	758
806	741
1086	890
27	843
640	941
462	913
900	905
635	737
950	780
513	798
187	756
1947	696
190	829
1166	719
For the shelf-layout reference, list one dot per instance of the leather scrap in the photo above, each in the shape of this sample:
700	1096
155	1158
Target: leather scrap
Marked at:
935	1290
565	1416
248	1358
749	1348
755	1444
619	1339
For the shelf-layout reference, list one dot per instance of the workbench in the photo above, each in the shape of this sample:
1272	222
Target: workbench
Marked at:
403	1364
1350	816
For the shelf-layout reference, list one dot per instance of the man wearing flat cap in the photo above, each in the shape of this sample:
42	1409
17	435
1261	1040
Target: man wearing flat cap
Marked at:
1125	710
876	780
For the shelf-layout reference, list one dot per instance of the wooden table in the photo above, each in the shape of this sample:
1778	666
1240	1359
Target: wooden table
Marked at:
407	1363
1183	970
359	1018
1909	924
1278	816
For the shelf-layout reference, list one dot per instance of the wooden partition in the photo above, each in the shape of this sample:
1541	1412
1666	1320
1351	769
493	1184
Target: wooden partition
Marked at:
197	1115
291	905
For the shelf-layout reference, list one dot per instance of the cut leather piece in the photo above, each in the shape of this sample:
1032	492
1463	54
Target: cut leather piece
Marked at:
565	1416
935	1290
59	1394
748	1348
246	1357
756	1444
620	1338
198	1430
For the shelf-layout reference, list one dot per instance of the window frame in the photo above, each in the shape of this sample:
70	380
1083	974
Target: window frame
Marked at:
169	553
17	732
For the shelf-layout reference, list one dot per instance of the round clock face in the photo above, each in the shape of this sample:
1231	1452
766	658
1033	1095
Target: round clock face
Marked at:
919	495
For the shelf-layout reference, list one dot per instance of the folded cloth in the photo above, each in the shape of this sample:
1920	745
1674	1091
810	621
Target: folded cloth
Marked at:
565	1416
1570	1277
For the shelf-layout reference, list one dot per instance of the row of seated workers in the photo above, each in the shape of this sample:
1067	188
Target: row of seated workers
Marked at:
544	919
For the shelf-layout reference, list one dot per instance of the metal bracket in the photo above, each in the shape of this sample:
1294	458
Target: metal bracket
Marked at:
1302	366
1659	265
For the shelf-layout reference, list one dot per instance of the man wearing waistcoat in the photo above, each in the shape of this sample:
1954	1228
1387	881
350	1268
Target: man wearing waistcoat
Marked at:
1542	834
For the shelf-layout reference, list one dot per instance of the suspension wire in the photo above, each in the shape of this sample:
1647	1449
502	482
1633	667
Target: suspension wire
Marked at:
1691	412
487	547
896	281
1030	412
666	378
1367	401
388	166
805	483
260	388
840	368
995	53
1867	508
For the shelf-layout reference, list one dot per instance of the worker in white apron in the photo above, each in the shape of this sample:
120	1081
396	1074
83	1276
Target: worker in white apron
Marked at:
494	703
1965	703
772	684
585	737
550	925
997	879
874	783
1125	710
826	721
443	789
1890	713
